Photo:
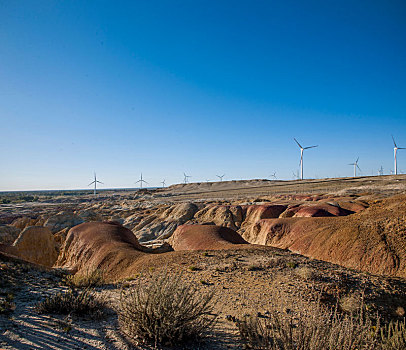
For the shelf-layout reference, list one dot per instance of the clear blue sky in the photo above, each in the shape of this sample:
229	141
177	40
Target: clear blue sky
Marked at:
202	87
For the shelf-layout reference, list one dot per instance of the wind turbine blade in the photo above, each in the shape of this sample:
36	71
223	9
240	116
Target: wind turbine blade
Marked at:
137	181
394	141
298	143
359	168
356	162
100	182
401	148
311	147
91	183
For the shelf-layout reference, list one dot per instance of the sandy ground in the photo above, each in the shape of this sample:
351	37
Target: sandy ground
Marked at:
244	281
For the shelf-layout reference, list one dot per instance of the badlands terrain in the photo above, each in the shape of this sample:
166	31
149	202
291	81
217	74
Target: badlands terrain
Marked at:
253	244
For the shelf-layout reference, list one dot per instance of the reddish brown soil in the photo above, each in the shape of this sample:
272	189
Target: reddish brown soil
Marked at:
201	237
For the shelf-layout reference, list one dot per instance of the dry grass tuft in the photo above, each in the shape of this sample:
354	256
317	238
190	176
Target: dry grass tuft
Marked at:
351	303
310	325
87	279
167	311
320	328
306	273
393	336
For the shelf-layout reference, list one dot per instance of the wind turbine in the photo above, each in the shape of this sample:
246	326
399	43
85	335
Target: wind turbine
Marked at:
395	149
355	167
301	155
273	175
141	181
95	181
186	177
220	177
163	183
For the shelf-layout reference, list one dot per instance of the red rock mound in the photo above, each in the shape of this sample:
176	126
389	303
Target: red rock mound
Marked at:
254	213
372	240
204	237
104	245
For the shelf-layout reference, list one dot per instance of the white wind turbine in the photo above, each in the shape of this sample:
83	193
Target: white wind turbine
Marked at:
186	178
220	177
141	181
95	181
163	183
301	156
273	175
355	167
395	150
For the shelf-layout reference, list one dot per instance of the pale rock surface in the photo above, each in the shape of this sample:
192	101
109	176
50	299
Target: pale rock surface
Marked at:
63	219
89	215
36	244
161	226
8	234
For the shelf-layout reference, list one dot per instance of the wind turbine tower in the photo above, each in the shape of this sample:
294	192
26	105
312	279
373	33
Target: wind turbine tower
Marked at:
186	178
141	181
395	150
95	181
220	177
301	156
355	167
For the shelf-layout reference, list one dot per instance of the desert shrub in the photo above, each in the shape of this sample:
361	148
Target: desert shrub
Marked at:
393	336
73	301
86	279
167	311
306	273
6	306
351	303
314	328
291	264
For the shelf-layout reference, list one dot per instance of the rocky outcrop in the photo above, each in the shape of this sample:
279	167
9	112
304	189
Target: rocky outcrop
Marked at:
372	240
223	215
25	221
63	219
161	226
88	215
36	244
8	234
204	237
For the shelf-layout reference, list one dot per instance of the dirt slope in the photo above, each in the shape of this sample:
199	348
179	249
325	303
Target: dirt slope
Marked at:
373	240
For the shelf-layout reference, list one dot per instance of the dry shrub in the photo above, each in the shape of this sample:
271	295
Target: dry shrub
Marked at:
315	327
75	302
87	279
351	303
393	336
6	306
306	273
167	311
